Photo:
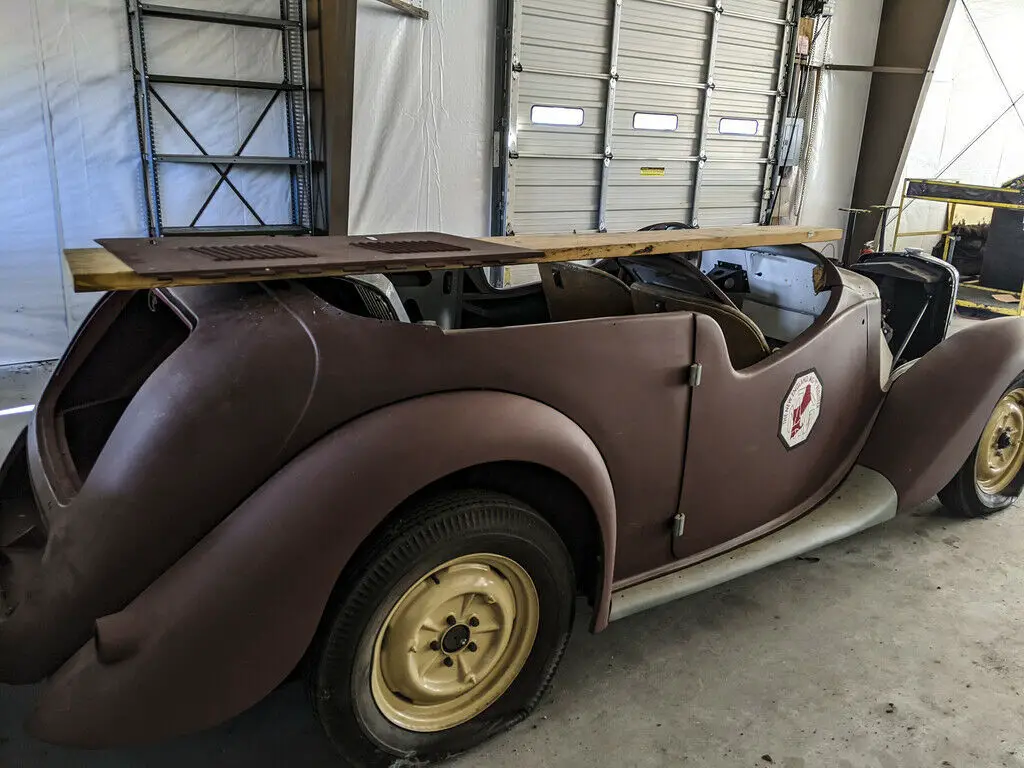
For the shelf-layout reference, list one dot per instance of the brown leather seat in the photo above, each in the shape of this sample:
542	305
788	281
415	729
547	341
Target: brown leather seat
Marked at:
746	344
576	292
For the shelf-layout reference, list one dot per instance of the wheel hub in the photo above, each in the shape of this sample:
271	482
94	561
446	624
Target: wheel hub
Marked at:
456	638
454	642
1001	450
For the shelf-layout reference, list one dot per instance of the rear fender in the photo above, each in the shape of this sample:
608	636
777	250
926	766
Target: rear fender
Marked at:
229	621
935	412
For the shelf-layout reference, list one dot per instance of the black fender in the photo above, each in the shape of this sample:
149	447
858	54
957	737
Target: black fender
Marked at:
231	619
935	412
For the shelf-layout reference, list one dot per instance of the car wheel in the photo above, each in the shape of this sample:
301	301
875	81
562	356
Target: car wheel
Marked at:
991	478
447	630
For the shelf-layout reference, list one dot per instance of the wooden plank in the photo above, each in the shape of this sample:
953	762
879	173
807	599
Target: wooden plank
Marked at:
613	245
95	269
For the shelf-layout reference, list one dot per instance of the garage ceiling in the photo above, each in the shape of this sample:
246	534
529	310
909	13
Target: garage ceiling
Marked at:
629	112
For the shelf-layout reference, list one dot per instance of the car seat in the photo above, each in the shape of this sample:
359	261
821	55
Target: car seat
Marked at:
380	297
744	340
576	292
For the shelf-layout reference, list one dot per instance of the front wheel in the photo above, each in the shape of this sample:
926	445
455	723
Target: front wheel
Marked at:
993	475
448	631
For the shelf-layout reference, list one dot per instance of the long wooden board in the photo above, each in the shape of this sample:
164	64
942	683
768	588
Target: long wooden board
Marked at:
95	269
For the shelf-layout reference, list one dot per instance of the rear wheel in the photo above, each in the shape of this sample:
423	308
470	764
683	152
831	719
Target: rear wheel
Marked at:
448	631
993	475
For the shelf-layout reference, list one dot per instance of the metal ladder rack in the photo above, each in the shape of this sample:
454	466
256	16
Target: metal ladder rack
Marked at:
294	87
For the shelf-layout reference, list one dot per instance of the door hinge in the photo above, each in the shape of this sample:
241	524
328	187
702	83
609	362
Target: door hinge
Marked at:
696	371
678	524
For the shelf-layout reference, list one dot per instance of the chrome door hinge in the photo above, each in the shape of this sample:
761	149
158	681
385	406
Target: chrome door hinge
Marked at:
678	524
696	371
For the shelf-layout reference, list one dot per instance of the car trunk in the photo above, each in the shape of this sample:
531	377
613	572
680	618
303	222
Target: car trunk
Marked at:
100	375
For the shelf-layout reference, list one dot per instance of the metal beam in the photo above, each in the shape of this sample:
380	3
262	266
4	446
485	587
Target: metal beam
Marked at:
511	134
218	82
332	67
144	116
215	17
705	114
609	117
784	79
876	69
910	35
229	159
499	153
407	8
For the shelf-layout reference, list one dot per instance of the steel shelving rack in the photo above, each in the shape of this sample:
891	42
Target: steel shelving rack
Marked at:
293	88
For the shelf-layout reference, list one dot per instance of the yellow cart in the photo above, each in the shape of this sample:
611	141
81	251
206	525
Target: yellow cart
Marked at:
971	295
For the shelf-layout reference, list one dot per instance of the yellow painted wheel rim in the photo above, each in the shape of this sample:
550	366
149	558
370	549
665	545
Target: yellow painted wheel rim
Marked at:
1001	448
454	642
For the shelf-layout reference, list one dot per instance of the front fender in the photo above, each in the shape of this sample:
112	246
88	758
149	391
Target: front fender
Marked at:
229	621
935	412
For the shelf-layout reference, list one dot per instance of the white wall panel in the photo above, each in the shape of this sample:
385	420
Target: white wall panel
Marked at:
835	148
32	319
422	135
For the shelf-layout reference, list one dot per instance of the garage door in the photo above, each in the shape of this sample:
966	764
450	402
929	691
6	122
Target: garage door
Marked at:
628	112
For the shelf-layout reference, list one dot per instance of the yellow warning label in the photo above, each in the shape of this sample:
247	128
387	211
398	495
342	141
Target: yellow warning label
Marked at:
647	170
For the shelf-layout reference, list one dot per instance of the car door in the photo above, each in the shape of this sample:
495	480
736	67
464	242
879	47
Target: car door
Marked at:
768	442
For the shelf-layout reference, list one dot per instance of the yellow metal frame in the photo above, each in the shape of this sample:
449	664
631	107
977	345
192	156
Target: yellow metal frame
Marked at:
951	204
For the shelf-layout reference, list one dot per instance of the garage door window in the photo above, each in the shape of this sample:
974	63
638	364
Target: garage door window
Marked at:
542	115
652	121
735	126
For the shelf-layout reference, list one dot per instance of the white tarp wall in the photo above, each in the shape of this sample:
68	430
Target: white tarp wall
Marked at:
70	152
423	131
967	103
834	141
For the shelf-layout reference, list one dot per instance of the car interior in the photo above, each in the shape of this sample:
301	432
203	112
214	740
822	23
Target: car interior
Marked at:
761	298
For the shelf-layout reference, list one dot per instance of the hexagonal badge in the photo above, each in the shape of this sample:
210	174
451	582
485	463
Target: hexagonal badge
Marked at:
800	409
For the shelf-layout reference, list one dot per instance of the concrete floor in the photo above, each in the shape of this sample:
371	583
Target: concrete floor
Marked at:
903	646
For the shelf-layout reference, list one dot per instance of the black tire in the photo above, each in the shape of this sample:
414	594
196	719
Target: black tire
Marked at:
963	496
425	537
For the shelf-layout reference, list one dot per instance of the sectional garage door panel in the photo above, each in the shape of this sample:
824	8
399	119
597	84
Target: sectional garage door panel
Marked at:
637	200
556	195
731	193
566	35
562	92
561	64
745	97
650	110
663	42
662	59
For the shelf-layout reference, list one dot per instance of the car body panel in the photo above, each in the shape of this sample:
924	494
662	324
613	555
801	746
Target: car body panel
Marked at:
185	575
228	622
623	380
186	452
925	430
779	482
266	372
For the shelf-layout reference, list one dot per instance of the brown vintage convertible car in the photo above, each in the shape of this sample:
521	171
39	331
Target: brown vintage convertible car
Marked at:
399	485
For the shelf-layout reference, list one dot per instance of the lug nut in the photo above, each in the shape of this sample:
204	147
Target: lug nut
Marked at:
474	621
435	646
451	620
471	647
448	661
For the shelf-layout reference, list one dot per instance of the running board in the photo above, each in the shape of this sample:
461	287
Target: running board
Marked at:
864	499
